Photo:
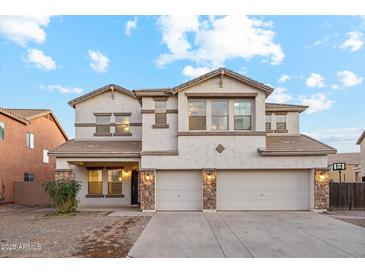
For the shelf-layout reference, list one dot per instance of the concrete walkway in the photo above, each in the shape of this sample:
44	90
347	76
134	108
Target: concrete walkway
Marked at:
248	234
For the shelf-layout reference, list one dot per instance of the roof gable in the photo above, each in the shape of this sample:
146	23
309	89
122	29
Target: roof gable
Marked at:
223	72
361	138
101	90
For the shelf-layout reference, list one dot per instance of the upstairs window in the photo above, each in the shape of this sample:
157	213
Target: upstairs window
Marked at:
280	122
219	115
29	140
103	124
2	131
122	124
45	156
115	182
197	115
28	177
95	182
242	114
268	122
160	112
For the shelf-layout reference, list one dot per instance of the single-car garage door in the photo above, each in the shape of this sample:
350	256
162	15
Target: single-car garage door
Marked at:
263	190
179	190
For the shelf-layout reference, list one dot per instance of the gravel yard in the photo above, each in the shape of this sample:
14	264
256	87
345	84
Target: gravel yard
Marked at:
41	233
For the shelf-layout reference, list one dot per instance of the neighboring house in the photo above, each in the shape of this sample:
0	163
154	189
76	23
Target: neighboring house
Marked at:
26	136
210	143
361	142
353	169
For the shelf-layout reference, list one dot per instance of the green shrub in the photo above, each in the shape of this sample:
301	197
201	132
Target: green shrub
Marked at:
63	194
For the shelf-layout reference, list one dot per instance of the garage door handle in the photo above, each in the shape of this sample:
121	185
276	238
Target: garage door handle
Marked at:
178	195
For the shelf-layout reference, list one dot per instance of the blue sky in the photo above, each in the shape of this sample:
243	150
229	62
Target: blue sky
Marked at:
314	60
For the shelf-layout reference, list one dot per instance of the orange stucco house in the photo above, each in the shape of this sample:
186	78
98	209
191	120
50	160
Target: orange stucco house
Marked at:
26	136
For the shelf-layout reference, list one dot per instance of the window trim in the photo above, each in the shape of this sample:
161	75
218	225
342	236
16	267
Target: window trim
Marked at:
252	120
2	126
110	182
92	182
29	142
102	124
45	162
205	108
266	123
160	112
285	123
211	114
29	175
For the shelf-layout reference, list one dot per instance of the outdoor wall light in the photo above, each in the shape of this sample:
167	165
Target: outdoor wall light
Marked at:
209	175
322	178
148	176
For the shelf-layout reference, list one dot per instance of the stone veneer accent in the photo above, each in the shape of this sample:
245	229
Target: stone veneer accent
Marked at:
64	174
147	189
209	189
321	189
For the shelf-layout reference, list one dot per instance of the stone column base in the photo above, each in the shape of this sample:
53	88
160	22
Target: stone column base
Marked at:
321	189
209	181
147	181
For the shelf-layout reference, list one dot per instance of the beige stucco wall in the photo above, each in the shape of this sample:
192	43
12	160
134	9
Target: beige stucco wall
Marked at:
105	103
229	86
197	152
159	139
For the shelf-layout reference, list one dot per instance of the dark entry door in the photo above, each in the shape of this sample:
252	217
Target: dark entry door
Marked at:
134	188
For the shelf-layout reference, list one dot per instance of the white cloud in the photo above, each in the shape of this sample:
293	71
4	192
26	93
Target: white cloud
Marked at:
24	29
193	72
317	102
348	78
213	41
61	89
316	43
40	60
283	78
315	80
334	86
354	41
279	96
343	139
98	61
129	26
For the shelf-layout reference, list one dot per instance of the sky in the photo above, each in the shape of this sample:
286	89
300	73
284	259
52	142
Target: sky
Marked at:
319	61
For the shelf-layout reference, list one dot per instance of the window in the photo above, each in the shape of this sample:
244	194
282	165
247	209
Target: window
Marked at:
115	181
122	124
28	177
45	156
29	140
268	122
103	124
242	115
2	131
95	181
281	122
220	115
160	112
197	115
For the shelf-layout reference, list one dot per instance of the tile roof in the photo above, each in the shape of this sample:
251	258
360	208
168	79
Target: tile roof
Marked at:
362	136
284	107
101	90
26	115
348	158
106	149
295	145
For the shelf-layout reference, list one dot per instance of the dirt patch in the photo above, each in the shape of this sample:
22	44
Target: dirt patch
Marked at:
113	240
356	217
42	234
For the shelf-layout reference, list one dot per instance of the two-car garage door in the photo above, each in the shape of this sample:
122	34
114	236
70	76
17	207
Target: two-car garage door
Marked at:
236	190
263	190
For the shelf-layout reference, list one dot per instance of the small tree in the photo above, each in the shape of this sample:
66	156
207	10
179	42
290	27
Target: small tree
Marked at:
63	193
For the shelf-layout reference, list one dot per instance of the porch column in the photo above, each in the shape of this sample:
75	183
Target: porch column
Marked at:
209	180
321	188
66	174
147	182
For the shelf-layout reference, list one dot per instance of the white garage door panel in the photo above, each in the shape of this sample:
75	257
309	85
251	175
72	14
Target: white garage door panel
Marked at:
263	190
179	190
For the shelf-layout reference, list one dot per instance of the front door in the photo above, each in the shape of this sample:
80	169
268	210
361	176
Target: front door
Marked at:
134	188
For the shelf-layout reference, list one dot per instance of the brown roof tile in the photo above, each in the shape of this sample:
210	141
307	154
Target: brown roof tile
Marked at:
348	158
284	107
295	145
98	148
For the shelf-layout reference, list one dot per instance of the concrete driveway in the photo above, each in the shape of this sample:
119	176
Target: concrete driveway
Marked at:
248	234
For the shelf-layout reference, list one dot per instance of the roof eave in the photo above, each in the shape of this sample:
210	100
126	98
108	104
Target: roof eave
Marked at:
362	136
268	152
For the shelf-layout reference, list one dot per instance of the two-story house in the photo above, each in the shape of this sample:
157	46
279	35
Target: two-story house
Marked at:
361	142
26	136
212	143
